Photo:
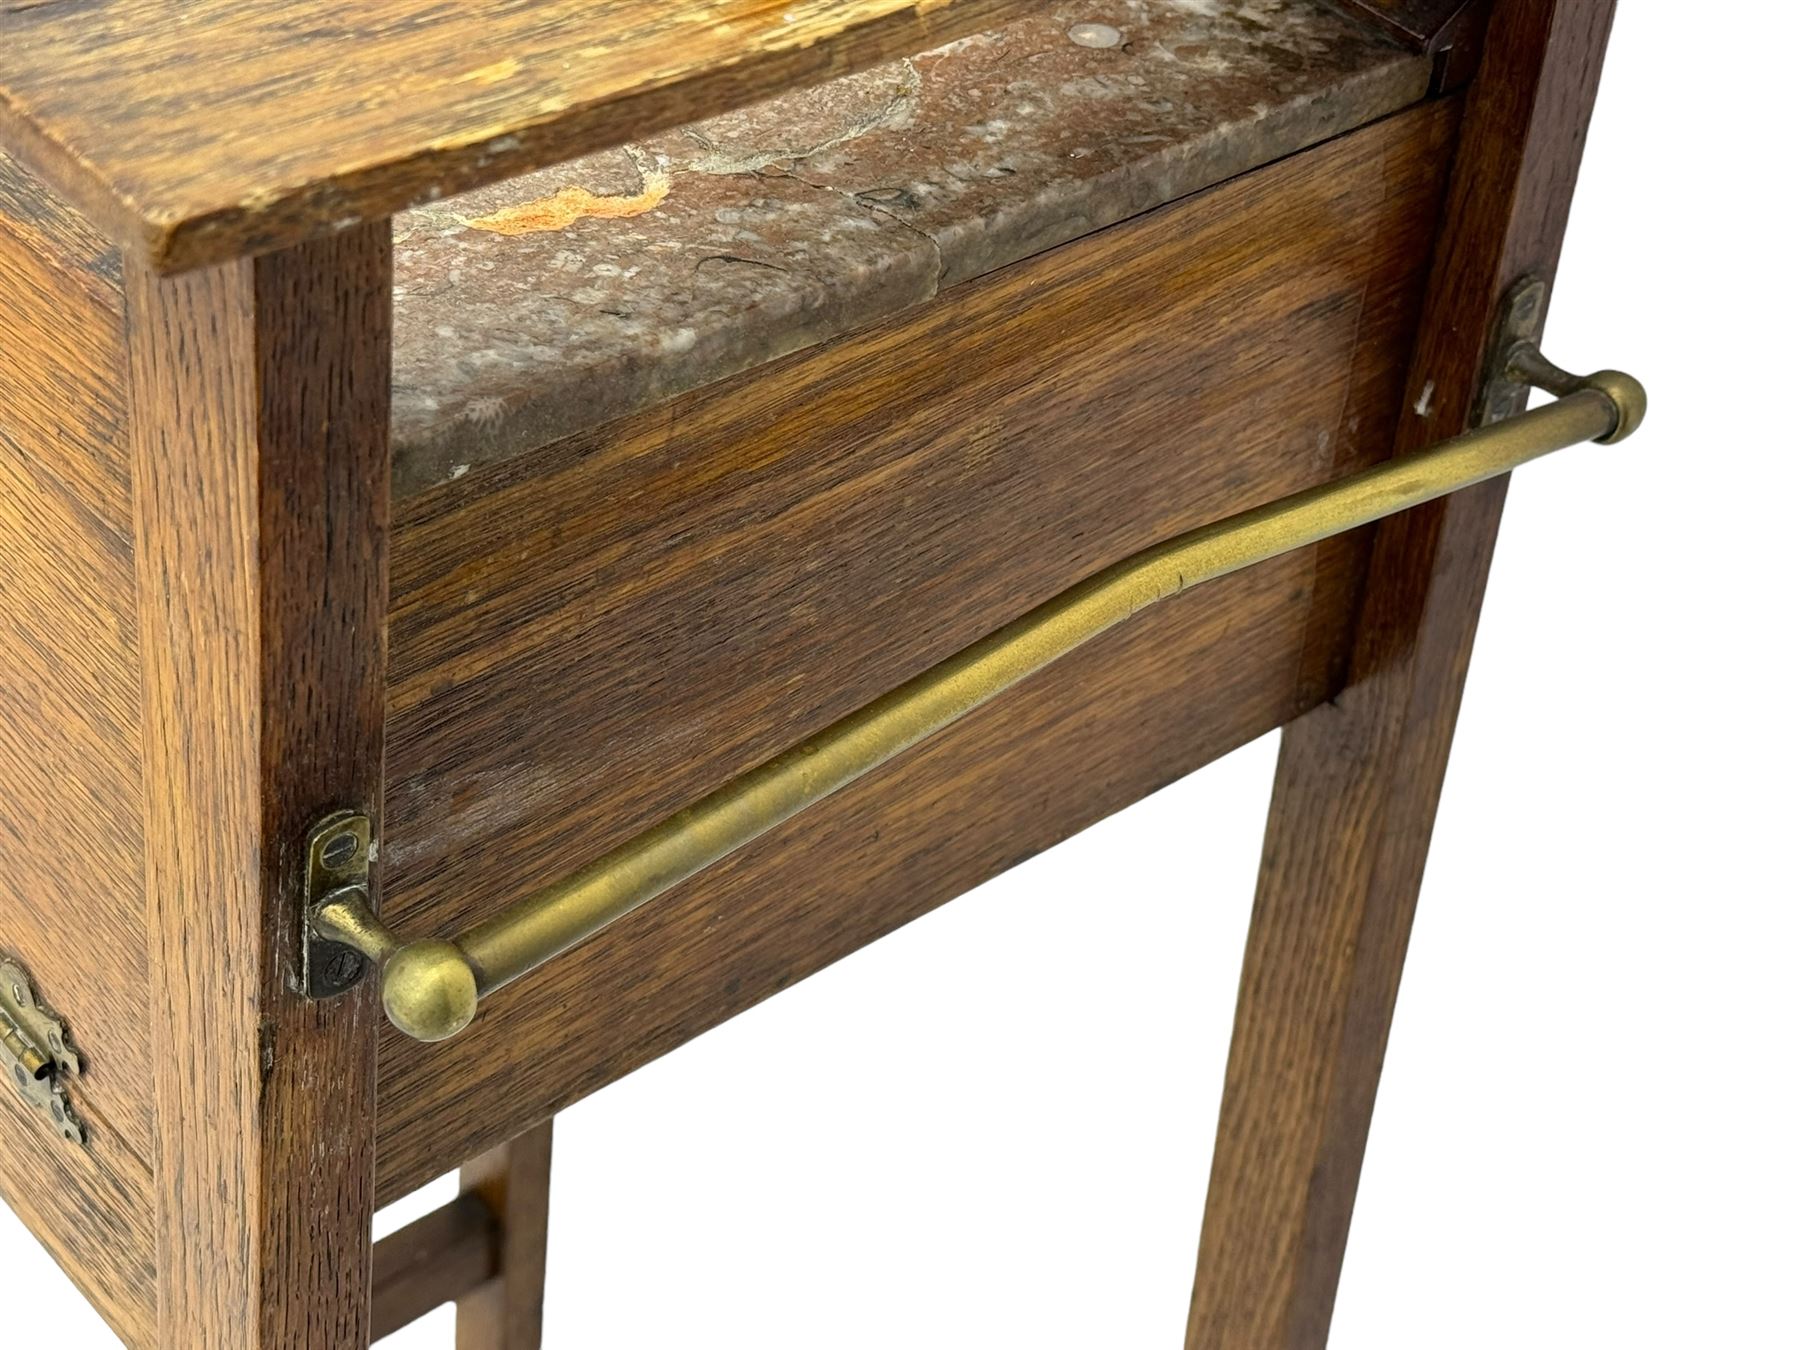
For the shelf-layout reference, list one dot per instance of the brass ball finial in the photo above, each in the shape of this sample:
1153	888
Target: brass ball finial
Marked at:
429	990
1628	397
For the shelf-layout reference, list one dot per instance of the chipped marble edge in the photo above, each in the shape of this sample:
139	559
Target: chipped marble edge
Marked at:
569	405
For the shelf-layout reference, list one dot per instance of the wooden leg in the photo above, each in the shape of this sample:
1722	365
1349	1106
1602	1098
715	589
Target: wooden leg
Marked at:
507	1313
433	1261
484	1251
1358	780
1355	790
259	421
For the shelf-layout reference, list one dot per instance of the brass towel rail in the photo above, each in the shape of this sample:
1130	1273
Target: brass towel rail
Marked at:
431	987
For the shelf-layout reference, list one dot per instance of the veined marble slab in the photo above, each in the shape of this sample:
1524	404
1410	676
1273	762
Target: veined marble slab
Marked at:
538	307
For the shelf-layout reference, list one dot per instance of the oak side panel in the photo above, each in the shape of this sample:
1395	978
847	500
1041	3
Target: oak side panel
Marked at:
314	121
1358	780
259	434
70	776
587	642
69	773
94	1212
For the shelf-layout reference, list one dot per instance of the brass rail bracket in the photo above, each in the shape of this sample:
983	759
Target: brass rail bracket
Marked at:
1519	324
1516	366
36	1053
339	849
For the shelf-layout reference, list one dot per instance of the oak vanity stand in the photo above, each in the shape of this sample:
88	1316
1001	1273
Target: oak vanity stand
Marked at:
555	523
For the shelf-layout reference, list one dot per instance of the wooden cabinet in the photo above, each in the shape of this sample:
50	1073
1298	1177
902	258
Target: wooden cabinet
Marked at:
362	450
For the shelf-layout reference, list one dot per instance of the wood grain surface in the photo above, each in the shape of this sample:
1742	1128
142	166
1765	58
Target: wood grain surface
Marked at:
1358	780
70	774
202	131
259	414
94	1212
587	642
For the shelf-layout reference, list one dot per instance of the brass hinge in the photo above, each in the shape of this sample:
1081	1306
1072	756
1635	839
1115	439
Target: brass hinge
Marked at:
35	1051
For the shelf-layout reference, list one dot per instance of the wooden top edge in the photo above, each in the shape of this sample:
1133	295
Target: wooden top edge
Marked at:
195	133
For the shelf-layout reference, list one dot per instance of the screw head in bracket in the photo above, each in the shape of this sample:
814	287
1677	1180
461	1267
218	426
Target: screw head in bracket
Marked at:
339	850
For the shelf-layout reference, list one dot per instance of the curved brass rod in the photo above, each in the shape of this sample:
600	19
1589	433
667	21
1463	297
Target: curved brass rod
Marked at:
431	988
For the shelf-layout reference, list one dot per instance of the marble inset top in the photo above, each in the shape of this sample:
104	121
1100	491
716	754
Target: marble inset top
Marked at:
567	297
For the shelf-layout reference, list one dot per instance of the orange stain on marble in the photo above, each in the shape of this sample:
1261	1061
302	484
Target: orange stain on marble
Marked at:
562	209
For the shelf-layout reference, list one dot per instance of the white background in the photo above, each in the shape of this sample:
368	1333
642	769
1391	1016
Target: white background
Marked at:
993	1128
